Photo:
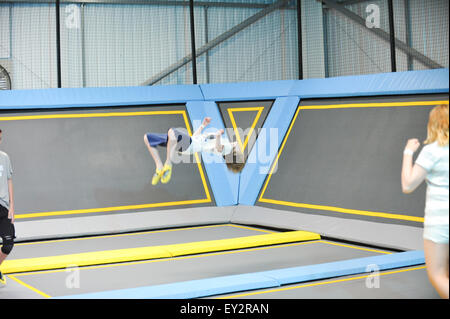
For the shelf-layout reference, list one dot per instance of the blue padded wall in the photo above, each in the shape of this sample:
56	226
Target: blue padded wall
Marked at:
97	97
224	184
266	148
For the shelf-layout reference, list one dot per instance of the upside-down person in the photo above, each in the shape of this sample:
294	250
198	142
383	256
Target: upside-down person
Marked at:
177	141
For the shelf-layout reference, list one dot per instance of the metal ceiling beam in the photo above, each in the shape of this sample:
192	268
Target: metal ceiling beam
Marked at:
382	34
221	38
149	2
349	2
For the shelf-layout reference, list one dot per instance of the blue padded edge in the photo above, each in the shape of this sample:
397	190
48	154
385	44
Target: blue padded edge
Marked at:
397	83
224	184
346	267
254	173
87	97
247	90
186	289
410	82
260	280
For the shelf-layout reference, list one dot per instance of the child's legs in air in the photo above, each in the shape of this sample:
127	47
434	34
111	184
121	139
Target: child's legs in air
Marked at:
154	153
171	145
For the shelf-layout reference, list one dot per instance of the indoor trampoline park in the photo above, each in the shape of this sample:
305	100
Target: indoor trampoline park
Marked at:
229	150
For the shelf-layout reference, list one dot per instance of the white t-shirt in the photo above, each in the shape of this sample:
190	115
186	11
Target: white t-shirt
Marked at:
434	159
207	143
5	174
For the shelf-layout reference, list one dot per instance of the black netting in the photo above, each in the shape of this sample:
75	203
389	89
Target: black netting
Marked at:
138	42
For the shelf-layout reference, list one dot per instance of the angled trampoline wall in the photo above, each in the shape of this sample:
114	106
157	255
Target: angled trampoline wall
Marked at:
221	197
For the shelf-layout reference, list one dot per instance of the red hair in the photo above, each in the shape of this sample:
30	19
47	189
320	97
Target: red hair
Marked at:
438	125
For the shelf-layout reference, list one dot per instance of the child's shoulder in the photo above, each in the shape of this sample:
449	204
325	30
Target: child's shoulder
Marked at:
436	151
436	147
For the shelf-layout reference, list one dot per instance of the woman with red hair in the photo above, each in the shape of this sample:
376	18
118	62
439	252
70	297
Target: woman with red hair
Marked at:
432	165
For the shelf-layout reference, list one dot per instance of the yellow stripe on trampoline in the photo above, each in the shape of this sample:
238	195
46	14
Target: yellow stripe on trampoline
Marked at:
153	252
29	287
332	208
87	115
115	208
344	210
111	209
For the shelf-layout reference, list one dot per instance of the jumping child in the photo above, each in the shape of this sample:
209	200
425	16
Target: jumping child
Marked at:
177	141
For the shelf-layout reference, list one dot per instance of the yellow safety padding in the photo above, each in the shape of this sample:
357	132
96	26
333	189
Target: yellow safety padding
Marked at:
83	259
240	242
153	252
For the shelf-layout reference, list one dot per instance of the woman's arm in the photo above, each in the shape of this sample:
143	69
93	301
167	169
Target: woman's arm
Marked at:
205	123
412	175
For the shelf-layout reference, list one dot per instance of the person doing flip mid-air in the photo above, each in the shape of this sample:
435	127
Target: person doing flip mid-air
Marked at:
177	141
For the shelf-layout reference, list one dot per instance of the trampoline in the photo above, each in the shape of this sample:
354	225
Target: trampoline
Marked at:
321	217
132	280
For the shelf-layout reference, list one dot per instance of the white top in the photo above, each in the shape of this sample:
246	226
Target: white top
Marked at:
5	174
434	159
207	143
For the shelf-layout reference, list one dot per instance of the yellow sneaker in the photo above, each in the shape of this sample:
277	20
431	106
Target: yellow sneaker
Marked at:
2	280
156	177
166	174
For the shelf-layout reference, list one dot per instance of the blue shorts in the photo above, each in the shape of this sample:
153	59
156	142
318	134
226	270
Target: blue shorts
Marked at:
160	139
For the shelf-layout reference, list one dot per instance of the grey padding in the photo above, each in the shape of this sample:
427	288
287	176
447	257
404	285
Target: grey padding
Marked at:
390	236
365	232
120	223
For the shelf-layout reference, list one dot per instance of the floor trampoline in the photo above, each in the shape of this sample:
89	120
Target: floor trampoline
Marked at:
123	280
